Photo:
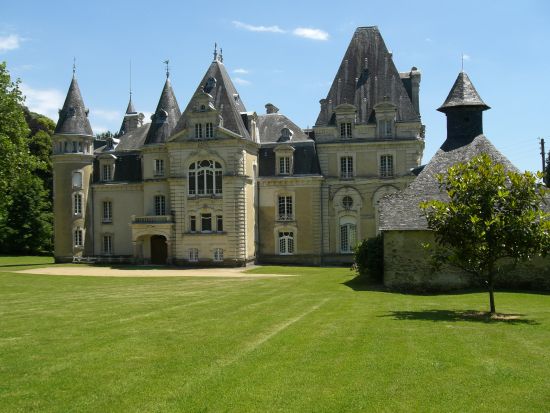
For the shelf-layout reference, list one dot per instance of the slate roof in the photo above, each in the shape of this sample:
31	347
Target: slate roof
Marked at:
463	94
164	120
305	161
225	99
73	117
367	71
130	109
401	211
271	124
127	168
134	140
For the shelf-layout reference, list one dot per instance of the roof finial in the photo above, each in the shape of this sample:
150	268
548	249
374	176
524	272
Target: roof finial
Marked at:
130	79
462	69
74	67
167	63
215	51
221	55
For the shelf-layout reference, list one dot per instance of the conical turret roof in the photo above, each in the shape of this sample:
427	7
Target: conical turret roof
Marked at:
366	77
164	120
73	118
130	109
463	93
225	98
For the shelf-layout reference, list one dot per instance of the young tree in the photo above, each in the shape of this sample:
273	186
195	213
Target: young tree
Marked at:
491	215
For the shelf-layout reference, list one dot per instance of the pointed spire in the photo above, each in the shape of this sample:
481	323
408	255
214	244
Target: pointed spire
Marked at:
215	52
73	117
223	95
164	120
366	71
463	93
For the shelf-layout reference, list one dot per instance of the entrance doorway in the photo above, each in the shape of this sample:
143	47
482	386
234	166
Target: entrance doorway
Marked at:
159	250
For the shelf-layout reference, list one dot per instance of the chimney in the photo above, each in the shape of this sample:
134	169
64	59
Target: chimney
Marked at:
271	108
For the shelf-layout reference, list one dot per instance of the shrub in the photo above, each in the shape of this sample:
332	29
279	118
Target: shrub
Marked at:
369	259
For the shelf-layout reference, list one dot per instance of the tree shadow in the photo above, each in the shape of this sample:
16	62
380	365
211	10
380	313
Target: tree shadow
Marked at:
465	315
24	265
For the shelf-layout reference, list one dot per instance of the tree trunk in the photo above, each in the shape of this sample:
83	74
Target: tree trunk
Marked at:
490	287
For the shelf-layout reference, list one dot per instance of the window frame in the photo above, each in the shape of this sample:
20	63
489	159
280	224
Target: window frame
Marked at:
158	167
159	204
107	213
192	223
386	169
350	240
205	180
347	170
346	130
217	255
107	247
193	254
78	200
78	237
219	223
285	208
286	244
206	217
107	172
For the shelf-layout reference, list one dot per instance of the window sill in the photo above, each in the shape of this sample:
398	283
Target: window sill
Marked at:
107	221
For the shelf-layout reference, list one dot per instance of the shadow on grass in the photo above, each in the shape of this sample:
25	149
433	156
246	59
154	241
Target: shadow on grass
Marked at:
24	265
466	315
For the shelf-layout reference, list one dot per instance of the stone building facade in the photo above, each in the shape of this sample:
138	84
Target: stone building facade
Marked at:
217	184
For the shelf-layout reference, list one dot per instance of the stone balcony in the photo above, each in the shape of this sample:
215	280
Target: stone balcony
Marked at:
153	219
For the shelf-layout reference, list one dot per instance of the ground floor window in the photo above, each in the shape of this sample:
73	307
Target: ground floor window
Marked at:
286	243
218	254
107	244
348	237
78	237
193	254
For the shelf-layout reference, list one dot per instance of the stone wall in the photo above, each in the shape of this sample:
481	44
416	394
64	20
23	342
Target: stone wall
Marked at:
407	267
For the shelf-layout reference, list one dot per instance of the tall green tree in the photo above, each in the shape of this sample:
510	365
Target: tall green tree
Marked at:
492	215
25	208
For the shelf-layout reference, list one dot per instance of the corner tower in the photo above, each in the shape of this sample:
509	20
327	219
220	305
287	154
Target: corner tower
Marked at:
72	173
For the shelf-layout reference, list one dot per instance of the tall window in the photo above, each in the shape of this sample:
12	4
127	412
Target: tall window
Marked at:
284	165
209	130
219	223
77	180
198	130
345	130
78	238
107	244
286	243
107	211
193	254
386	166
160	205
77	204
205	178
386	127
346	167
206	222
218	254
193	223
107	172
348	237
285	208
159	167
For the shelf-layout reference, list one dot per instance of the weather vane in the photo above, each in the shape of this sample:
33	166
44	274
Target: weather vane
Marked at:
215	51
74	66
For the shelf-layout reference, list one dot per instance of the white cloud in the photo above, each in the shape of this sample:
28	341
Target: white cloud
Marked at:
44	101
251	28
309	33
106	114
241	71
10	42
241	81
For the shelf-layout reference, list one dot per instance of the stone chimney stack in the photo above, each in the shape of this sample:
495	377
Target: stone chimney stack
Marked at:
271	108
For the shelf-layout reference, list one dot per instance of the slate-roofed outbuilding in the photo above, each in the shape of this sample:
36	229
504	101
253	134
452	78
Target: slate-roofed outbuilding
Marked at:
165	118
225	98
465	140
366	77
73	117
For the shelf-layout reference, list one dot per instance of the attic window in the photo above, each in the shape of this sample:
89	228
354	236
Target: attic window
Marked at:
203	108
236	97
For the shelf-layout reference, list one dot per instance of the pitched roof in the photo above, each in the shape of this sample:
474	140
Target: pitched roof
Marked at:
134	140
463	93
401	211
271	125
366	75
164	120
225	98
73	117
305	159
130	109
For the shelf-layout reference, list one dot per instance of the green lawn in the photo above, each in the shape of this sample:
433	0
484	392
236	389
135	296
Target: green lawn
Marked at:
308	343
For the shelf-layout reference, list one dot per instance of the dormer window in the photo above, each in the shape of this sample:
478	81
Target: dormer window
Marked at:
284	165
385	127
345	130
107	172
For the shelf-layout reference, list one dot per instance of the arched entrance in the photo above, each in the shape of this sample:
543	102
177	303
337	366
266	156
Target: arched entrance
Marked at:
159	250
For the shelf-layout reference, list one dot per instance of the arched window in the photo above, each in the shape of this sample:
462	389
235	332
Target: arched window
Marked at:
286	243
348	237
205	178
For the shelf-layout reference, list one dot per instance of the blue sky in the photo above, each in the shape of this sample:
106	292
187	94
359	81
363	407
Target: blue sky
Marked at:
286	53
